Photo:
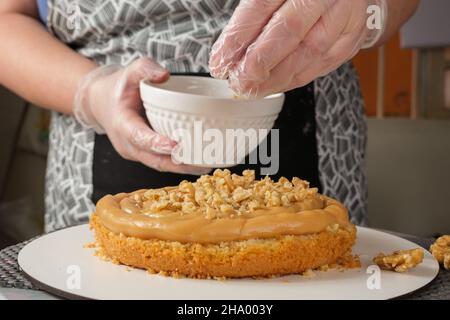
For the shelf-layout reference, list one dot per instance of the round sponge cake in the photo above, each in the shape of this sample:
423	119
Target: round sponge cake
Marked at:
231	259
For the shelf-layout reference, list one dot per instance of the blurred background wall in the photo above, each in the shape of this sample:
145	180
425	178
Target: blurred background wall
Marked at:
23	140
406	85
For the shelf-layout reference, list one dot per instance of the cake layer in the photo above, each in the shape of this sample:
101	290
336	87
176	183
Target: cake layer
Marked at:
231	259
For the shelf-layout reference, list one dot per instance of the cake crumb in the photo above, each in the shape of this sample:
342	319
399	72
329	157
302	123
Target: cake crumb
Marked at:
348	261
309	274
163	273
100	253
151	271
91	245
324	268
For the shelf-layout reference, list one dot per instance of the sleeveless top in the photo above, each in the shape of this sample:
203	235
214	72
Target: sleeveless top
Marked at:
178	34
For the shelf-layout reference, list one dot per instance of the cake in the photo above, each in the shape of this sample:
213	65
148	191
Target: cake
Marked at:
224	226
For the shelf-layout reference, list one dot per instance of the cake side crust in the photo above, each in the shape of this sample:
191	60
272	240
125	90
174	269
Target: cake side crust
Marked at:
232	259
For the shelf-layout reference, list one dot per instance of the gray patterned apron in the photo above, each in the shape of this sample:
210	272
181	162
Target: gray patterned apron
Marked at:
178	34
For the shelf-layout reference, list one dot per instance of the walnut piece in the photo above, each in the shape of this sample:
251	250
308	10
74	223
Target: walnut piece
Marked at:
441	251
226	195
400	261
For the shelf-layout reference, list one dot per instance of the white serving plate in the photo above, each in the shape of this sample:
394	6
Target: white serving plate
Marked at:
59	264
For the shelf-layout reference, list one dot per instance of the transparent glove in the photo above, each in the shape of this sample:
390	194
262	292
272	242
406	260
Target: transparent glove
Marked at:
275	46
108	101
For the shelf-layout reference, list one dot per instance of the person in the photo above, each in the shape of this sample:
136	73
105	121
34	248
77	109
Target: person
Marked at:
86	62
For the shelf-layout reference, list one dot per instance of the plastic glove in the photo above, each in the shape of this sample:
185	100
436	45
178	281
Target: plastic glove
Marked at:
108	100
275	46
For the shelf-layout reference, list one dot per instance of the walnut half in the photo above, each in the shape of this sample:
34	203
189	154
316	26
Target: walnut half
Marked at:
441	251
400	261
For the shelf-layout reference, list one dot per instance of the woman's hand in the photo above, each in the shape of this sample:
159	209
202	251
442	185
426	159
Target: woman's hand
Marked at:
108	101
278	45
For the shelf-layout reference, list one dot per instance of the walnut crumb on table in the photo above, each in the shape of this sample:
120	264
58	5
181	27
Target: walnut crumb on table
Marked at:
441	251
400	261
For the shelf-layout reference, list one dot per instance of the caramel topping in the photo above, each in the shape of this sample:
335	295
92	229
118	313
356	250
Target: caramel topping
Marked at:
222	207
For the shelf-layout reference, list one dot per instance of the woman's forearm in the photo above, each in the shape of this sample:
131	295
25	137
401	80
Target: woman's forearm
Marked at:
399	12
37	66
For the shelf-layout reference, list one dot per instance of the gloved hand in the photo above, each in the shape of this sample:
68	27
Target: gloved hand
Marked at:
108	100
275	46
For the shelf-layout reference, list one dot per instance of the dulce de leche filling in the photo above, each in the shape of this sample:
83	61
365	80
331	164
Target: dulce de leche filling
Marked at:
222	207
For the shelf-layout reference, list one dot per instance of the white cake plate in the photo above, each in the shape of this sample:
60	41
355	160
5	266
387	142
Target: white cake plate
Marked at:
59	263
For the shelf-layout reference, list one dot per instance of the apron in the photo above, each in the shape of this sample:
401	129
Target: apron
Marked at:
322	125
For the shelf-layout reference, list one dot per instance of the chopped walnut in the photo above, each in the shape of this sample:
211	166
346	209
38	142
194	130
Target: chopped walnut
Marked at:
226	208
400	261
226	194
333	228
160	205
188	207
285	202
441	251
210	213
241	194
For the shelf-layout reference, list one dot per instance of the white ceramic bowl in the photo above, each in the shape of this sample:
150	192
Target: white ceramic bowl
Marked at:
185	103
